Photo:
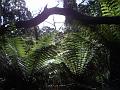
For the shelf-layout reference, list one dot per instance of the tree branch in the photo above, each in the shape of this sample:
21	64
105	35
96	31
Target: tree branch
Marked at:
70	13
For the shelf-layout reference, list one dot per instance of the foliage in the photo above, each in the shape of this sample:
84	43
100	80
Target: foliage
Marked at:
110	8
85	55
36	56
22	52
27	54
92	8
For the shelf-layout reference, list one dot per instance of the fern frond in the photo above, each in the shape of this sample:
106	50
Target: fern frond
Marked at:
36	60
16	46
110	7
44	54
77	50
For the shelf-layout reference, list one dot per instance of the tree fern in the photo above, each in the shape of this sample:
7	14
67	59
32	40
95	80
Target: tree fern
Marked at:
80	49
80	46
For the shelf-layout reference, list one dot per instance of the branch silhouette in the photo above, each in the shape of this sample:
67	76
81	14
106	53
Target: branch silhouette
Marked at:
69	13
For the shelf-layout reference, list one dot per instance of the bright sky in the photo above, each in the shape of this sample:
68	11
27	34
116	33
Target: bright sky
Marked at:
35	6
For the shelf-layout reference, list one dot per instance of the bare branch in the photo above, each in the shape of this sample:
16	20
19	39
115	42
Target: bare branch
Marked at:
70	13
